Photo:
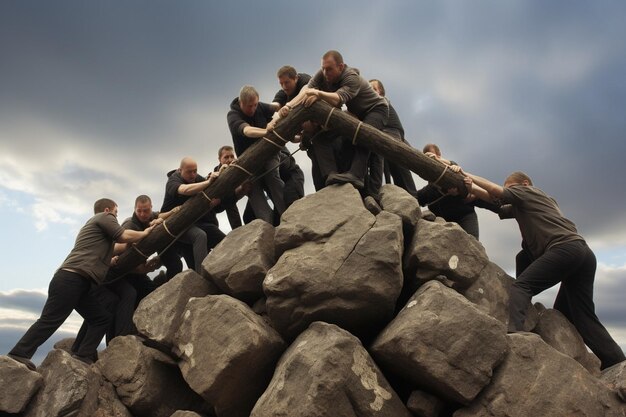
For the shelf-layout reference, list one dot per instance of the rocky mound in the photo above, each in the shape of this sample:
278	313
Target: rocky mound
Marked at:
336	312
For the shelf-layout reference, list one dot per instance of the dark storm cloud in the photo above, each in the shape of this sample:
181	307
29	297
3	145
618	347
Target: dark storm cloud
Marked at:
24	300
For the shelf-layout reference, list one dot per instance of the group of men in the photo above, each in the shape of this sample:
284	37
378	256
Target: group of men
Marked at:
553	251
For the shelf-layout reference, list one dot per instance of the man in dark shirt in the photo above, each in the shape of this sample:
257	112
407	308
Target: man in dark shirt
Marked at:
448	205
291	83
337	84
182	184
402	177
248	122
226	156
555	253
85	266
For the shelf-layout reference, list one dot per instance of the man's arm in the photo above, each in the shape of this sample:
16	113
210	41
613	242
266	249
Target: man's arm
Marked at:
132	236
255	132
313	94
195	188
494	190
167	214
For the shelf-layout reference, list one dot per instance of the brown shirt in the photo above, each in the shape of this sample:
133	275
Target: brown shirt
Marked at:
539	218
92	252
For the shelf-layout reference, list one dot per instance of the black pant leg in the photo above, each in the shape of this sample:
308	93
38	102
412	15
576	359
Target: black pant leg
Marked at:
575	301
64	294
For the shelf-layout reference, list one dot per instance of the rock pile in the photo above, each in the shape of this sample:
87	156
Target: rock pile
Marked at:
336	312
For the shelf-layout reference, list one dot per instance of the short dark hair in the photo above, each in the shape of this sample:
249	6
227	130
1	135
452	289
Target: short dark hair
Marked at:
519	177
431	147
142	199
221	150
335	55
380	86
103	203
287	70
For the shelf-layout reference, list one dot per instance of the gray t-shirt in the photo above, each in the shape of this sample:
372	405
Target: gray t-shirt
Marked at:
539	218
353	90
93	250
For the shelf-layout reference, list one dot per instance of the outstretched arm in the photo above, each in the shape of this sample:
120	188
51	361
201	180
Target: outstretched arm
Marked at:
494	190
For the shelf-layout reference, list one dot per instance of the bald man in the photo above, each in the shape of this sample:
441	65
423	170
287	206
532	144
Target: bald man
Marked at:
182	184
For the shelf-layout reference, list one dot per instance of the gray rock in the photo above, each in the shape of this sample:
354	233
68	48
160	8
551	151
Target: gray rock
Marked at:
67	384
615	378
147	381
158	315
490	292
181	413
327	372
397	201
107	403
227	352
423	404
429	215
536	380
239	263
441	339
559	333
444	249
19	385
342	265
65	344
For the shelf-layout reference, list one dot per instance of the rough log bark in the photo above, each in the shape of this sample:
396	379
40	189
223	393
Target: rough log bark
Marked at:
252	162
386	146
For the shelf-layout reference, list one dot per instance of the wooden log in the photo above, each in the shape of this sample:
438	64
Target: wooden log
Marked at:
386	146
250	163
253	161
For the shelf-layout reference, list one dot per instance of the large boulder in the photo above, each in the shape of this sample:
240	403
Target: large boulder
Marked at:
339	264
147	381
19	385
444	250
615	378
327	372
490	292
67	383
537	380
227	352
397	201
442	340
158	315
240	262
559	333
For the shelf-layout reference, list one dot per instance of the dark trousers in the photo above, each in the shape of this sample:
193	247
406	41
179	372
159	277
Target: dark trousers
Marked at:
574	265
120	298
469	223
67	291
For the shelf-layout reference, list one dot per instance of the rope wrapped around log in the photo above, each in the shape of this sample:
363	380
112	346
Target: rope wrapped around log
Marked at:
253	161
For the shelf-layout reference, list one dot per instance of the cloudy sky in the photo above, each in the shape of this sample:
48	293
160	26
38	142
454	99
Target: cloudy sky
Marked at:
103	98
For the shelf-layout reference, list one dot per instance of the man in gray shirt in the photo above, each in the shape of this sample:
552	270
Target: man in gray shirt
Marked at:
553	252
85	266
337	84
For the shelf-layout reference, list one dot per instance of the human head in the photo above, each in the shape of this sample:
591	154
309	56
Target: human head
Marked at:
105	205
188	169
431	147
378	87
226	155
287	78
517	178
143	208
248	100
332	66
